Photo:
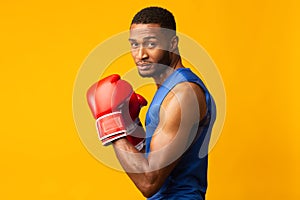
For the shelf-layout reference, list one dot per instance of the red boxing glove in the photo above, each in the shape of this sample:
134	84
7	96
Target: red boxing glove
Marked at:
116	107
135	135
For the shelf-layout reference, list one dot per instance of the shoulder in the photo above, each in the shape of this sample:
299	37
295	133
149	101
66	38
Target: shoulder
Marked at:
186	95
188	88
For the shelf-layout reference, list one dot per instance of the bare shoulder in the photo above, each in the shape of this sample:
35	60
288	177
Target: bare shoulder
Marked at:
182	109
187	95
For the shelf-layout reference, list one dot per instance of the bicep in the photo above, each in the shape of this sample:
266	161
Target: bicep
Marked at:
179	113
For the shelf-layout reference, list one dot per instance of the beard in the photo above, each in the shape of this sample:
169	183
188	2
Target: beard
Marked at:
151	69
154	70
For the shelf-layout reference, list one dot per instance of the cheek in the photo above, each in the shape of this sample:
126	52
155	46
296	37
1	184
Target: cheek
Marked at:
157	55
133	54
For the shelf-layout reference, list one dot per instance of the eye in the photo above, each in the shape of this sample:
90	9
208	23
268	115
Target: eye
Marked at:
151	45
134	45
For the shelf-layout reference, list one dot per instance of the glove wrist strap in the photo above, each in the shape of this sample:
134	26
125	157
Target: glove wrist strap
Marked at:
110	127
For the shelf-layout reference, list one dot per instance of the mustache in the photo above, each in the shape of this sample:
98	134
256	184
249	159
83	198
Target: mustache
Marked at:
143	63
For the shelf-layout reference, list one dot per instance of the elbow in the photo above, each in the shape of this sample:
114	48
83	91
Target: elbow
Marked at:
148	190
149	186
148	195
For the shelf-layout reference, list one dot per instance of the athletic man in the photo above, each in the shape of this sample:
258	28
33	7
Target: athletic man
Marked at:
173	162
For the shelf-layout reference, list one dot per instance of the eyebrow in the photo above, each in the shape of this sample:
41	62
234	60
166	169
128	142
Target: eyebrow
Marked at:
145	38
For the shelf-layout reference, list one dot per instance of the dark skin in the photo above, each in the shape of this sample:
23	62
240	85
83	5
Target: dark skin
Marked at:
157	56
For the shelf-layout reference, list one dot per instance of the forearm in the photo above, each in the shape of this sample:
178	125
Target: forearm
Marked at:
148	174
130	158
137	167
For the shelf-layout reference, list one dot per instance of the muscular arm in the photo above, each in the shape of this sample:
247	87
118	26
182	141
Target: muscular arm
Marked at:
180	111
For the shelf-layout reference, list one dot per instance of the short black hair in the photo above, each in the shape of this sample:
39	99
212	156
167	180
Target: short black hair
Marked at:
155	15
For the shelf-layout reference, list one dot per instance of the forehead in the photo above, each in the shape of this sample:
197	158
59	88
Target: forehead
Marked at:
140	31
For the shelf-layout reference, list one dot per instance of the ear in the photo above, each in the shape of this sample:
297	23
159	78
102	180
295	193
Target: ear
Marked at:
174	43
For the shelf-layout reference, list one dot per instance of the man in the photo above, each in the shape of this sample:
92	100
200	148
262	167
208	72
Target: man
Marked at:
178	122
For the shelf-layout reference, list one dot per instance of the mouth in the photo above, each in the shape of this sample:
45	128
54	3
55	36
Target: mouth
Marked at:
144	66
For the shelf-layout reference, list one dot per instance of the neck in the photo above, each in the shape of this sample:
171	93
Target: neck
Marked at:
175	64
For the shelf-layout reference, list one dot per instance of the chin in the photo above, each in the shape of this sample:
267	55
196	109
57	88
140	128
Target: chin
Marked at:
145	74
153	71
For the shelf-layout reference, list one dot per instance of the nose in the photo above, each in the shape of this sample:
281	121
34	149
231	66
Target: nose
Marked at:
142	53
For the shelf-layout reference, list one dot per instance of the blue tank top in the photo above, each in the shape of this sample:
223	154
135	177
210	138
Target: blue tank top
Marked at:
188	180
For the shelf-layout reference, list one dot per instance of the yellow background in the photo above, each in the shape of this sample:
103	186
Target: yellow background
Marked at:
255	45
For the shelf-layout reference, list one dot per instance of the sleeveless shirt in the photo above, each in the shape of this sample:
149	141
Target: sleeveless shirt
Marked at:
188	179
